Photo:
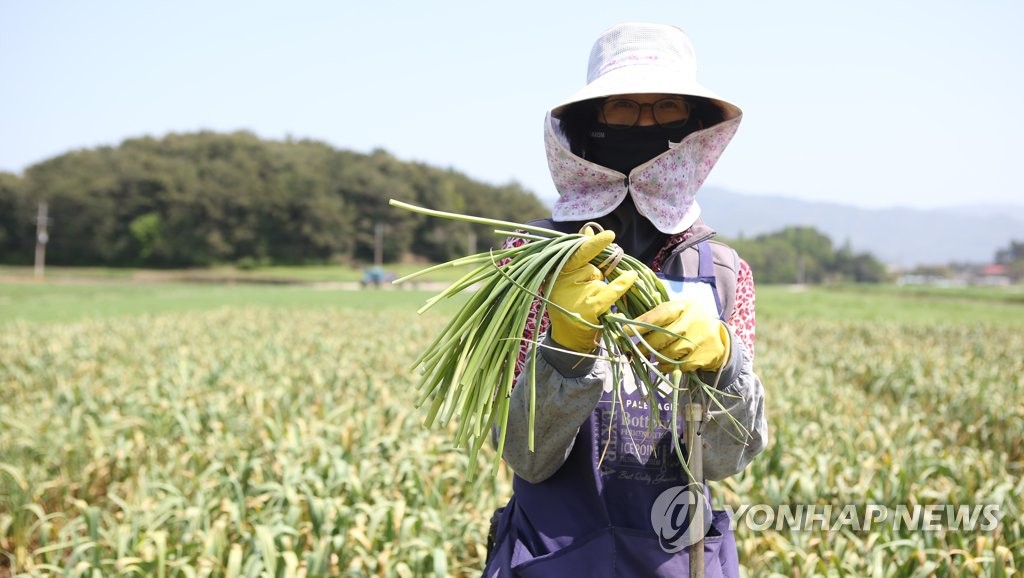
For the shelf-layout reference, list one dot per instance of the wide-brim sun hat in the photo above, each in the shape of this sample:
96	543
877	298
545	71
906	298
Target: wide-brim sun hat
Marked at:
643	58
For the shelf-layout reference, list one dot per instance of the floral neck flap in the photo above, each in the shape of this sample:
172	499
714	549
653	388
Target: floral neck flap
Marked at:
663	188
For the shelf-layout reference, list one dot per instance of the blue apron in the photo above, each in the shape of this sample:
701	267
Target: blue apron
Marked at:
593	517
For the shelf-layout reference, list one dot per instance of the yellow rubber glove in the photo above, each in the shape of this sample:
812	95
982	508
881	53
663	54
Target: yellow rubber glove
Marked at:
703	342
580	288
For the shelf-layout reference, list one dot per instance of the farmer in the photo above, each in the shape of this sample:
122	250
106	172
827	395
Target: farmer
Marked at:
629	152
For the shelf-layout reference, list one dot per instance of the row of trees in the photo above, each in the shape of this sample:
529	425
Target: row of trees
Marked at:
805	255
206	198
1007	266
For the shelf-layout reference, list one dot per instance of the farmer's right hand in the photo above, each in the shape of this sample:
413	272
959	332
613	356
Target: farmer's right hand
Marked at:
580	289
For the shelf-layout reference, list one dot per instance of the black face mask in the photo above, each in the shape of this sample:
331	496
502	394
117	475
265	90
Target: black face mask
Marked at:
624	149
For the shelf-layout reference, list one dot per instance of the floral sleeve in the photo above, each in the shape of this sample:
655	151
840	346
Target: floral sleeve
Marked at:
742	320
533	328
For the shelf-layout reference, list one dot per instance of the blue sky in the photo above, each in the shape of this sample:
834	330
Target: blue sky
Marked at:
871	103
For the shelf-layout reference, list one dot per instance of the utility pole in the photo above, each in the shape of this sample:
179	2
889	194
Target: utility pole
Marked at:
41	239
471	244
378	244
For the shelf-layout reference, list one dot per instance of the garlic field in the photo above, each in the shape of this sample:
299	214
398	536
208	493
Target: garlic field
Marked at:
257	441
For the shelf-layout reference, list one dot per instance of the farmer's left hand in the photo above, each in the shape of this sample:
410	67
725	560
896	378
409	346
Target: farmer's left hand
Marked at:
700	341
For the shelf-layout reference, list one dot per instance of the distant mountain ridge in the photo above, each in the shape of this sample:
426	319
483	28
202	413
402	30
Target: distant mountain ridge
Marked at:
993	209
902	237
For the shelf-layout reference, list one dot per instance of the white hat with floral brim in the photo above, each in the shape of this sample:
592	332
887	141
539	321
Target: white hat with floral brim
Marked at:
643	58
630	59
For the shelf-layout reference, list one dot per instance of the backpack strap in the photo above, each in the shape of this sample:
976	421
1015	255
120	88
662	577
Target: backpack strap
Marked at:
726	265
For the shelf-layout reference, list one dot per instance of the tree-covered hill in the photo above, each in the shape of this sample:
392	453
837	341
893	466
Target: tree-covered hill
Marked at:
205	198
806	255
